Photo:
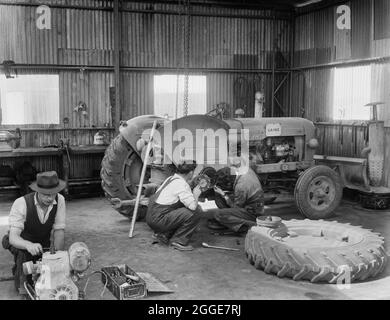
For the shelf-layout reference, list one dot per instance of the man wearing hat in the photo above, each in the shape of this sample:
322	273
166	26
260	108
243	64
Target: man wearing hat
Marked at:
33	219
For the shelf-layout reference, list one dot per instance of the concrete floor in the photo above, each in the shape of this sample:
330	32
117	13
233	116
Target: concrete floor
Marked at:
202	273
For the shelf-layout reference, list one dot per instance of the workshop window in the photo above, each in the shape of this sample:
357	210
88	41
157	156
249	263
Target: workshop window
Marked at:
30	99
166	93
351	93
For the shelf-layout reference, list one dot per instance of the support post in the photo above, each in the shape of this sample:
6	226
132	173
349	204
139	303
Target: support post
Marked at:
273	68
292	55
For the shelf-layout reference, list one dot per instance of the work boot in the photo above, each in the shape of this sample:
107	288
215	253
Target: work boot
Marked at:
215	225
181	247
160	237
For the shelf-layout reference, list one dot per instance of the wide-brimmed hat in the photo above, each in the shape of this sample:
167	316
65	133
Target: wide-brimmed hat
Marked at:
48	183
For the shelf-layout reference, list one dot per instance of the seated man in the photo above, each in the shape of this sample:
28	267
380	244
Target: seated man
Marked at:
32	220
243	206
173	211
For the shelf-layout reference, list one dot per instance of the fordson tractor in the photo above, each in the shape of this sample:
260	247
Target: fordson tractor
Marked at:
281	152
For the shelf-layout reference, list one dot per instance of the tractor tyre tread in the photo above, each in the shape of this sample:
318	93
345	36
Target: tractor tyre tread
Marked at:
365	259
111	172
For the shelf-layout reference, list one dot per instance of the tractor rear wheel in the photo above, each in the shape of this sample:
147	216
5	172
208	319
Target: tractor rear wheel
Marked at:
318	192
121	172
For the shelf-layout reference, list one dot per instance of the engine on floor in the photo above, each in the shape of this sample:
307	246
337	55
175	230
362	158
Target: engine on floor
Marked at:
57	273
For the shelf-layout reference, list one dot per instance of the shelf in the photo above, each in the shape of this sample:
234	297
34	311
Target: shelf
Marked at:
87	149
31	152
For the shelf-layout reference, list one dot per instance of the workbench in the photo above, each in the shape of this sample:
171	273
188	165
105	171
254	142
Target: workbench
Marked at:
64	162
30	152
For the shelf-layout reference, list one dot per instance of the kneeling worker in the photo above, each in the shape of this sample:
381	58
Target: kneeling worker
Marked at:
32	220
243	206
173	211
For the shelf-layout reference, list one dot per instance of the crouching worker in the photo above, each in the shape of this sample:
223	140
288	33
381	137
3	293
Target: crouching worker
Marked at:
32	220
243	206
173	211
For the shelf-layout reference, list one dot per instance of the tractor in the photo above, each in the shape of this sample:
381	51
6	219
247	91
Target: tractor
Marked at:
280	150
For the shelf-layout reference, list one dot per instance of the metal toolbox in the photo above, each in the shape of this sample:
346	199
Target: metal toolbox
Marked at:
121	286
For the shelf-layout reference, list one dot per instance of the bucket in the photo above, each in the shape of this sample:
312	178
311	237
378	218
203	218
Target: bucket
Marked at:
99	138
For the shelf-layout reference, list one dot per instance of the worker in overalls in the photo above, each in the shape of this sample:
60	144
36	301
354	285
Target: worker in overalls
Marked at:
33	220
173	211
238	210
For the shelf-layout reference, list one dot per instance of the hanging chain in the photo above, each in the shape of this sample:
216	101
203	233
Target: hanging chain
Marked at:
187	56
178	54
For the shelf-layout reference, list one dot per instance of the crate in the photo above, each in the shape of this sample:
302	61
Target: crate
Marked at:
116	283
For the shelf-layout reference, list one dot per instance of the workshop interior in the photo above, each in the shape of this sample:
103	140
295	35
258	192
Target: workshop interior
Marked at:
194	149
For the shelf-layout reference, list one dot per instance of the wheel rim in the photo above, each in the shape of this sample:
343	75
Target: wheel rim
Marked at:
321	193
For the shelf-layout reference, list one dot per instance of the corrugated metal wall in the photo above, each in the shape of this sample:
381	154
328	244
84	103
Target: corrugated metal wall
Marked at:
238	91
319	41
312	94
313	87
85	37
220	38
91	87
137	94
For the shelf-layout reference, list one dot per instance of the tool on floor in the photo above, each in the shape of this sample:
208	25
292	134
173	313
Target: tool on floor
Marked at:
123	282
205	245
141	181
118	203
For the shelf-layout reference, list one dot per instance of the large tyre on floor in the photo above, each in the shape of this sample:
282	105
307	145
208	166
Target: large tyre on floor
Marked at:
120	172
318	251
318	192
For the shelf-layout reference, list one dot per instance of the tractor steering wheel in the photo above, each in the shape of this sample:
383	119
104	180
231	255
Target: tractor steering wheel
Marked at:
218	111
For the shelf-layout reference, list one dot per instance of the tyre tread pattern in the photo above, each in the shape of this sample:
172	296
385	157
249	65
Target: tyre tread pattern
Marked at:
111	174
366	259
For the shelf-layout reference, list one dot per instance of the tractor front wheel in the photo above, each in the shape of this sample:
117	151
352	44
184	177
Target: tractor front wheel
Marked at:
318	192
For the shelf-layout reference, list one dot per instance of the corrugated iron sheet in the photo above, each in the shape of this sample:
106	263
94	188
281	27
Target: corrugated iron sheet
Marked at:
158	40
85	37
238	91
137	94
313	93
361	40
380	83
341	140
318	40
382	19
91	87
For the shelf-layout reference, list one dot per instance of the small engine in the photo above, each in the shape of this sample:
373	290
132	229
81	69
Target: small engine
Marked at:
57	273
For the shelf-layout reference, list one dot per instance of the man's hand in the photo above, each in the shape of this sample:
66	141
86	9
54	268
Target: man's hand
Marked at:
196	192
219	191
34	248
